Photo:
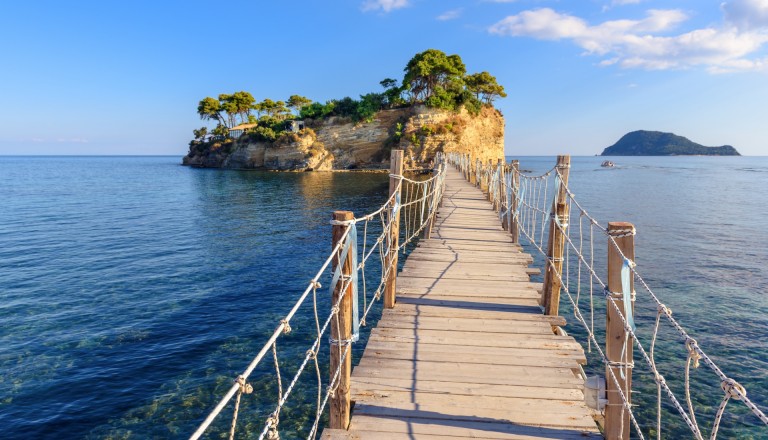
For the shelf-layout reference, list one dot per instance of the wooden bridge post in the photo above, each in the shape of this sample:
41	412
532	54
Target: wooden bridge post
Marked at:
618	341
488	175
499	185
396	169
514	228
556	245
341	332
427	232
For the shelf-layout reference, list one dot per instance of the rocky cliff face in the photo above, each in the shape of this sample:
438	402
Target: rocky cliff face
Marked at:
335	144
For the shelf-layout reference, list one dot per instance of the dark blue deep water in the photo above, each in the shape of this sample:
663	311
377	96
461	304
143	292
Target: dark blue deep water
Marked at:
133	289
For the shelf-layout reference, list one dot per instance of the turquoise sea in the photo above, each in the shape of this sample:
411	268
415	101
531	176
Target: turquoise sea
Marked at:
132	289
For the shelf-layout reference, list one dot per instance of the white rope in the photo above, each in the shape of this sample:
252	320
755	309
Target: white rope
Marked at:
530	195
428	192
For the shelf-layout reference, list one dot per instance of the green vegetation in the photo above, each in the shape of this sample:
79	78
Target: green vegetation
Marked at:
431	78
656	143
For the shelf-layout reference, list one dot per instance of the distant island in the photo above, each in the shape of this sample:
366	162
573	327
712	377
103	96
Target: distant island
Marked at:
657	143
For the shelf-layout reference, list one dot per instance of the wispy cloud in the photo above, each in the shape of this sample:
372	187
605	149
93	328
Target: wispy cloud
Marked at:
747	14
638	43
450	15
384	5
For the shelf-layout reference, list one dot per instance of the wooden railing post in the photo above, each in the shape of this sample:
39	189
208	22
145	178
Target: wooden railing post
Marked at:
618	342
514	228
488	175
341	332
499	185
427	232
396	169
556	245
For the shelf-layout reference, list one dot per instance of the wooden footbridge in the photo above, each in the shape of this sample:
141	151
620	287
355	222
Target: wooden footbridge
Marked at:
467	345
466	352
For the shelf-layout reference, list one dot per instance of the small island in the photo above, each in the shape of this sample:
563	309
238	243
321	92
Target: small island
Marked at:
437	106
657	143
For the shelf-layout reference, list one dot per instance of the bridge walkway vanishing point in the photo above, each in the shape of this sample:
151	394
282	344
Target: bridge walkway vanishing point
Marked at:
467	352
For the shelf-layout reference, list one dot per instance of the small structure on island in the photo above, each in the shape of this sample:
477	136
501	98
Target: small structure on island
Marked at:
236	131
294	126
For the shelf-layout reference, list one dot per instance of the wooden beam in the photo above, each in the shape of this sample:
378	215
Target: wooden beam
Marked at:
341	331
618	342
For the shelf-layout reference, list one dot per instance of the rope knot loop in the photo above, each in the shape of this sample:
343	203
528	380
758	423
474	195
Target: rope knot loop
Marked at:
664	310
620	233
272	422
245	387
335	310
311	354
343	222
286	326
733	388
316	284
693	353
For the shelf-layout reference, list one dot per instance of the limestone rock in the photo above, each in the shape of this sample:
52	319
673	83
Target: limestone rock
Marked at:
338	143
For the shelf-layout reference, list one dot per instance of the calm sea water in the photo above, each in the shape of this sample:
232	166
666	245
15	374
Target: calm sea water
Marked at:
133	289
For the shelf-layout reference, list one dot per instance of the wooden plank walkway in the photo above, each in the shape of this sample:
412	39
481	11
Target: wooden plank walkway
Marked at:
466	352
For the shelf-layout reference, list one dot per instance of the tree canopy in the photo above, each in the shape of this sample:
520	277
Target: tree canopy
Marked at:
428	70
431	77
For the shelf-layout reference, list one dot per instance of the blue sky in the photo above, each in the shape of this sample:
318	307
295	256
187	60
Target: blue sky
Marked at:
125	77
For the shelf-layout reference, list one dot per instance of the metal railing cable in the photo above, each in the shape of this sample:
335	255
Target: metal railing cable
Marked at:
366	245
534	196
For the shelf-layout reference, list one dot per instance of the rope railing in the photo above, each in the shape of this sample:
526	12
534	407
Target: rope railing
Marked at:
541	208
360	265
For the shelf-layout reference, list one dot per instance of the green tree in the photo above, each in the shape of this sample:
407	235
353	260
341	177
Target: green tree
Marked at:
431	69
243	104
210	109
297	103
484	87
345	107
200	133
220	130
388	83
312	111
368	106
392	93
229	106
272	109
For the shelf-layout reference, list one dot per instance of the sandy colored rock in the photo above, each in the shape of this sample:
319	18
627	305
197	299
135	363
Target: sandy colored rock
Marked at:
339	144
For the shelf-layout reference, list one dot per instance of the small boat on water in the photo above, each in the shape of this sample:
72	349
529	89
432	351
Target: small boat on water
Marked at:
607	164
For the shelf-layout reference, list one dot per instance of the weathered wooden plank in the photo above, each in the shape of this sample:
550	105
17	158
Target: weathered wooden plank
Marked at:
458	339
464	324
529	376
426	310
430	428
499	304
480	355
555	416
533	358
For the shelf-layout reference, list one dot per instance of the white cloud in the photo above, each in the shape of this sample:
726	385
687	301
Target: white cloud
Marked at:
384	5
643	43
450	15
746	14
